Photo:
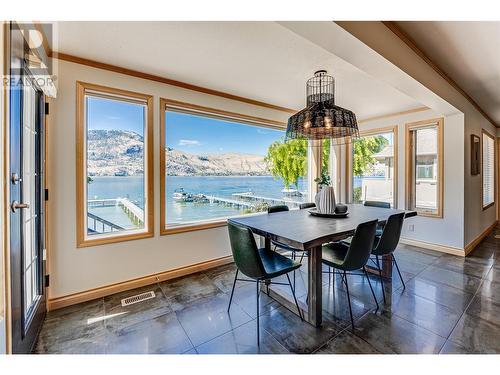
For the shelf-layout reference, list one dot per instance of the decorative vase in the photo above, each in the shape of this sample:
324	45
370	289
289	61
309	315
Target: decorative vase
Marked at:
325	200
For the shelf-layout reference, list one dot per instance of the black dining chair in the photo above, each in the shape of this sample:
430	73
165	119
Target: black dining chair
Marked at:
379	204
277	244
258	264
386	243
353	257
303	206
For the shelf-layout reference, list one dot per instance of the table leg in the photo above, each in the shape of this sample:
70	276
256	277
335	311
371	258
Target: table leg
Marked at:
314	301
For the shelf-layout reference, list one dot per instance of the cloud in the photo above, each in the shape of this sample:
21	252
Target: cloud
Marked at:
261	131
113	117
189	142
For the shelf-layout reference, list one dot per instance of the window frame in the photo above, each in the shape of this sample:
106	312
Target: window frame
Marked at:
195	109
409	179
489	135
350	149
82	239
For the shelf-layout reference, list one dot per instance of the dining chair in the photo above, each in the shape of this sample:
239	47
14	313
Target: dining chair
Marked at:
303	206
347	258
379	204
386	243
277	244
260	265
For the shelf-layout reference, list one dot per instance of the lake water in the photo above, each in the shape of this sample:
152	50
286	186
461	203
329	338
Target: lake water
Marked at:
132	187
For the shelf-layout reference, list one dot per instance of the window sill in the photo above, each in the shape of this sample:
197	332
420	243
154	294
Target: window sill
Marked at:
104	240
488	206
192	227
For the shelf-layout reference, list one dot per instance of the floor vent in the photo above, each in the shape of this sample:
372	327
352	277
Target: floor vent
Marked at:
138	298
497	236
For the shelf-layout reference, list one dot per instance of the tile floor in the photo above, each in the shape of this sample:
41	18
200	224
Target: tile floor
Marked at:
450	305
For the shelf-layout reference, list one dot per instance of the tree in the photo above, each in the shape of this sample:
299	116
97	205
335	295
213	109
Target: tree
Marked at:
288	160
364	149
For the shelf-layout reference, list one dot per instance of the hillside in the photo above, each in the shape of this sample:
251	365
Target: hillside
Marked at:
113	152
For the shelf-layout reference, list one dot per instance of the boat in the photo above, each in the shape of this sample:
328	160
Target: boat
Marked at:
291	192
181	196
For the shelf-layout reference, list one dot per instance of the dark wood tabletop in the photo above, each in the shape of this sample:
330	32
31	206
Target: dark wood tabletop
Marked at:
301	230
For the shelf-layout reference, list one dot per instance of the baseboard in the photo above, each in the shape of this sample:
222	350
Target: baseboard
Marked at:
432	246
88	295
472	245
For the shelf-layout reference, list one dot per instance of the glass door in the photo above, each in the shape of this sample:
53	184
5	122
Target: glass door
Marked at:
26	114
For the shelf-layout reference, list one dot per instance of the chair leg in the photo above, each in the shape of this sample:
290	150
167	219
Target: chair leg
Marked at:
397	268
295	298
258	312
301	257
380	275
349	300
232	291
370	283
293	257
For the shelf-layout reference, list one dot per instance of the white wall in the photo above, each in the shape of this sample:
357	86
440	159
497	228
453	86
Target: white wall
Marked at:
427	229
75	269
384	42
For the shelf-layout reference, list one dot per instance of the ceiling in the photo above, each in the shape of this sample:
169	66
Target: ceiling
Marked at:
468	52
260	60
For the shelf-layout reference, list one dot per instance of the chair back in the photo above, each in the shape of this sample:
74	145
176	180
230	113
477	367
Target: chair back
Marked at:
303	206
377	204
361	246
245	253
390	235
278	208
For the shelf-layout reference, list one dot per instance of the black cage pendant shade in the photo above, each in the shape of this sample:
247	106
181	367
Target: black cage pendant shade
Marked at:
322	119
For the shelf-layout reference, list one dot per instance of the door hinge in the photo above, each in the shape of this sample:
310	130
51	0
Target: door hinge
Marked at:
47	281
46	108
46	194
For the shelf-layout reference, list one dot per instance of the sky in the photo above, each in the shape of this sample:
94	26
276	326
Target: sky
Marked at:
185	132
108	114
201	135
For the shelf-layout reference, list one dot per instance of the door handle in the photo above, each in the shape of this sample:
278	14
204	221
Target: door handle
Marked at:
16	205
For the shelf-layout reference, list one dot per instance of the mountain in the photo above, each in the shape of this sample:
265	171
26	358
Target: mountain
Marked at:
117	152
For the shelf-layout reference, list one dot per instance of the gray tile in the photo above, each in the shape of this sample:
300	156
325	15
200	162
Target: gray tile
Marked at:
182	292
76	342
336	306
208	318
416	254
463	265
347	343
454	279
243	340
79	324
453	298
491	289
392	334
451	347
163	334
477	335
119	317
425	313
486	309
246	298
223	276
295	335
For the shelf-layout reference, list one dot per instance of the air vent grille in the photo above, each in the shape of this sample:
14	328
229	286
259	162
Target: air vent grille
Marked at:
138	298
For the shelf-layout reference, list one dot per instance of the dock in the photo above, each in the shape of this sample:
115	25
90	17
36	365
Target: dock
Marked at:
270	201
230	202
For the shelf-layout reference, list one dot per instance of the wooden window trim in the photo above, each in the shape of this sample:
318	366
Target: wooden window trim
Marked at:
203	111
81	239
349	149
489	135
439	122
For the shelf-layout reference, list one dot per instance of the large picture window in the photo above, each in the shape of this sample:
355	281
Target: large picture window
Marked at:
373	166
488	170
114	170
217	165
424	166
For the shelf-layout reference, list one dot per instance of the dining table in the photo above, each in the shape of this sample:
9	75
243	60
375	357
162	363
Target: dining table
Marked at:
304	231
